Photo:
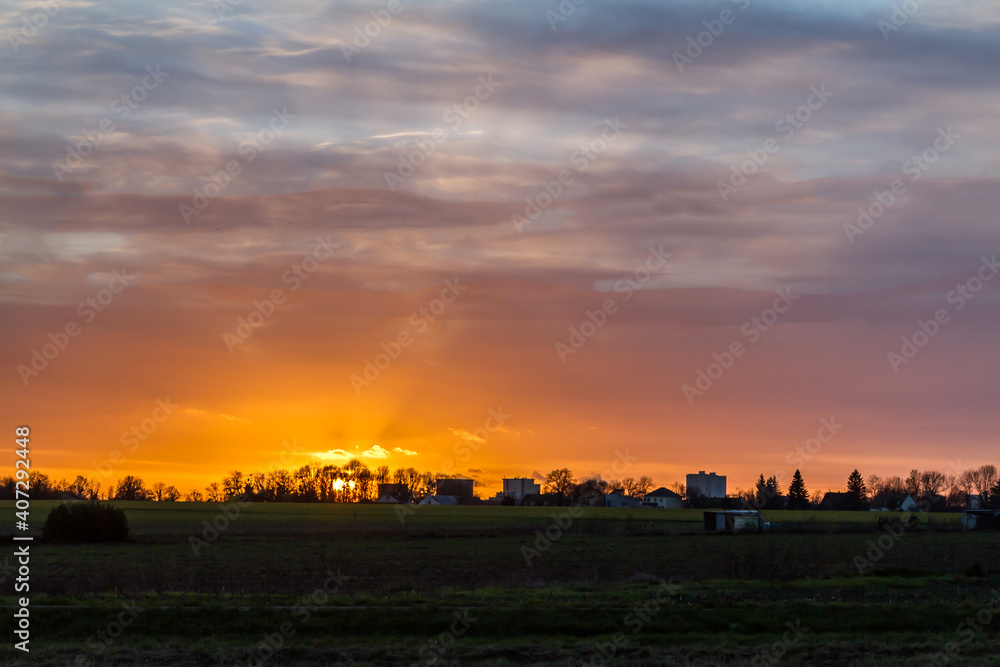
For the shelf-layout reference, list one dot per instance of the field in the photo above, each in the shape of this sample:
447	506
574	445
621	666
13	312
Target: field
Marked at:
285	584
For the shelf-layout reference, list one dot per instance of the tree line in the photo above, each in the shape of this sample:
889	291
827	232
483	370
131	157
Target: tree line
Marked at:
356	482
927	485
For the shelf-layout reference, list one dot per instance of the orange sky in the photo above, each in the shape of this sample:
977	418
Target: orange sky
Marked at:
262	163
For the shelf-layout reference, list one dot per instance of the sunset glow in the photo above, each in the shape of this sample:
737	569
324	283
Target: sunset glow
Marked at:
532	247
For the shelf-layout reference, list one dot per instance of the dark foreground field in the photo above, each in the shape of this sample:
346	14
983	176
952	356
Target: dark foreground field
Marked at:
312	585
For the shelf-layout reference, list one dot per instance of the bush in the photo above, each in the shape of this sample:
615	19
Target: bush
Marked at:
85	522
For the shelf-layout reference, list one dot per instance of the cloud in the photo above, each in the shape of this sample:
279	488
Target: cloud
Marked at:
467	436
376	452
405	452
334	454
205	414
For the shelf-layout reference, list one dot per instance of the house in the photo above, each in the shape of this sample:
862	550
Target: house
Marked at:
439	500
519	487
393	493
664	498
706	485
734	521
617	499
894	502
839	501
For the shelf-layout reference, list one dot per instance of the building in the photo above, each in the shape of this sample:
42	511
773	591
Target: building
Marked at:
707	486
664	498
891	501
616	499
519	487
735	521
439	500
460	488
393	493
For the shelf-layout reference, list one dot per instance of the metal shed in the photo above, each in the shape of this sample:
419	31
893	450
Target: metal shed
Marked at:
734	521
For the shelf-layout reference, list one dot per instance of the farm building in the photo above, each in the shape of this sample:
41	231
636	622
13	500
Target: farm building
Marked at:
393	493
439	500
980	520
460	488
665	498
734	521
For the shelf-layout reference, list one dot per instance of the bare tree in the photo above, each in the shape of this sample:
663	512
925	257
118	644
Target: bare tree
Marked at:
931	482
194	497
560	482
131	488
213	493
642	486
233	485
158	490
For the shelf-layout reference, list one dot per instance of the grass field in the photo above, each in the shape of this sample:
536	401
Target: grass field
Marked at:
345	584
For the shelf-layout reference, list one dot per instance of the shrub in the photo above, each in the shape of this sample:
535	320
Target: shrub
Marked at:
85	522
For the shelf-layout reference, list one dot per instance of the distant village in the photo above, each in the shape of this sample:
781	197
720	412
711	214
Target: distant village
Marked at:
975	489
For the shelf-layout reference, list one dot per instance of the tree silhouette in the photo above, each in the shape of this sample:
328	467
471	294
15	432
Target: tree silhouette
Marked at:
798	496
857	491
131	488
561	482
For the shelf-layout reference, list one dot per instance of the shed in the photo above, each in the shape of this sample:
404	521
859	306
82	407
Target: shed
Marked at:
734	521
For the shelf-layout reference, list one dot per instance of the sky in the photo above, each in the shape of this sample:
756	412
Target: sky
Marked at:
498	238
